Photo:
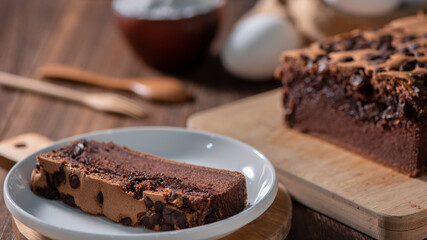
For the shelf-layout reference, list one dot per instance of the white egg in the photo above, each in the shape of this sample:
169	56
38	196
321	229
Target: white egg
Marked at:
366	8
253	48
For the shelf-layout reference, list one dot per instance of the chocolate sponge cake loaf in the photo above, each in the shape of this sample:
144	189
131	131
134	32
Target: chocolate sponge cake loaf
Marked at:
364	90
134	188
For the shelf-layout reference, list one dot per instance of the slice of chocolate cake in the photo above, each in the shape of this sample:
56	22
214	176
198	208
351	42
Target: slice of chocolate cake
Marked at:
364	90
134	188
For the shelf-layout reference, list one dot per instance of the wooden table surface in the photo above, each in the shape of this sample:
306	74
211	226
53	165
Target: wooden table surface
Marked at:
82	33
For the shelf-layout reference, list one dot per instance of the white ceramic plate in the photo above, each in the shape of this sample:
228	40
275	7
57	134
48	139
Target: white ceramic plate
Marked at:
57	220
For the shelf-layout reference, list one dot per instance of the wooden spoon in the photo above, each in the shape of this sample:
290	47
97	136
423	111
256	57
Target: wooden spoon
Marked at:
165	89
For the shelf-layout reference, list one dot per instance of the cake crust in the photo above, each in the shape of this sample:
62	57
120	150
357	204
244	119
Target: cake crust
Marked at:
134	188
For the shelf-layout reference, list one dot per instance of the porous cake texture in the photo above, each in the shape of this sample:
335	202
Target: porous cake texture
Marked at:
134	188
364	90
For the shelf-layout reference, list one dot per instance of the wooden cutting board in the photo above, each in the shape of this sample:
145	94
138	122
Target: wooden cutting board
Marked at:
343	185
273	224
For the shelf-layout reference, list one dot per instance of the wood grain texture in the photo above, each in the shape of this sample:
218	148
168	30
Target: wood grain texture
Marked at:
343	185
274	223
82	33
23	232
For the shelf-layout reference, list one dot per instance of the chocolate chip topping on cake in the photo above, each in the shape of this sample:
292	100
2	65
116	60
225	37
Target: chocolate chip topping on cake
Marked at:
134	188
373	76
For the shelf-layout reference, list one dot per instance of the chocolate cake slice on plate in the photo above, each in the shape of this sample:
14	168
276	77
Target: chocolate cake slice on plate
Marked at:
134	188
364	90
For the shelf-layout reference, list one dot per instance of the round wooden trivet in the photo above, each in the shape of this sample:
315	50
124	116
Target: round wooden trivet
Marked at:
273	224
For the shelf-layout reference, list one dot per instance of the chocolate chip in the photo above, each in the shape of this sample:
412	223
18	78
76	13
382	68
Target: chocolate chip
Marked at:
173	196
145	221
409	54
374	44
408	38
371	109
38	166
421	65
418	54
310	64
330	46
309	61
69	200
167	215
47	192
409	111
347	59
387	54
361	85
379	70
304	57
148	202
383	47
100	198
348	44
180	220
385	43
158	206
356	80
322	64
356	42
416	90
167	227
58	178
401	105
388	113
408	65
40	191
386	38
171	216
362	44
126	221
54	194
213	217
74	181
377	62
77	150
48	179
175	217
155	219
413	46
372	56
418	76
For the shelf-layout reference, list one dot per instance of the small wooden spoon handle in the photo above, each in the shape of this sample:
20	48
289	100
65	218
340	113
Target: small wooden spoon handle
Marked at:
152	88
79	75
24	83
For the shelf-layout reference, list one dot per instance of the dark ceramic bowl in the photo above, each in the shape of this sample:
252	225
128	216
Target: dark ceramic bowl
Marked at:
173	39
